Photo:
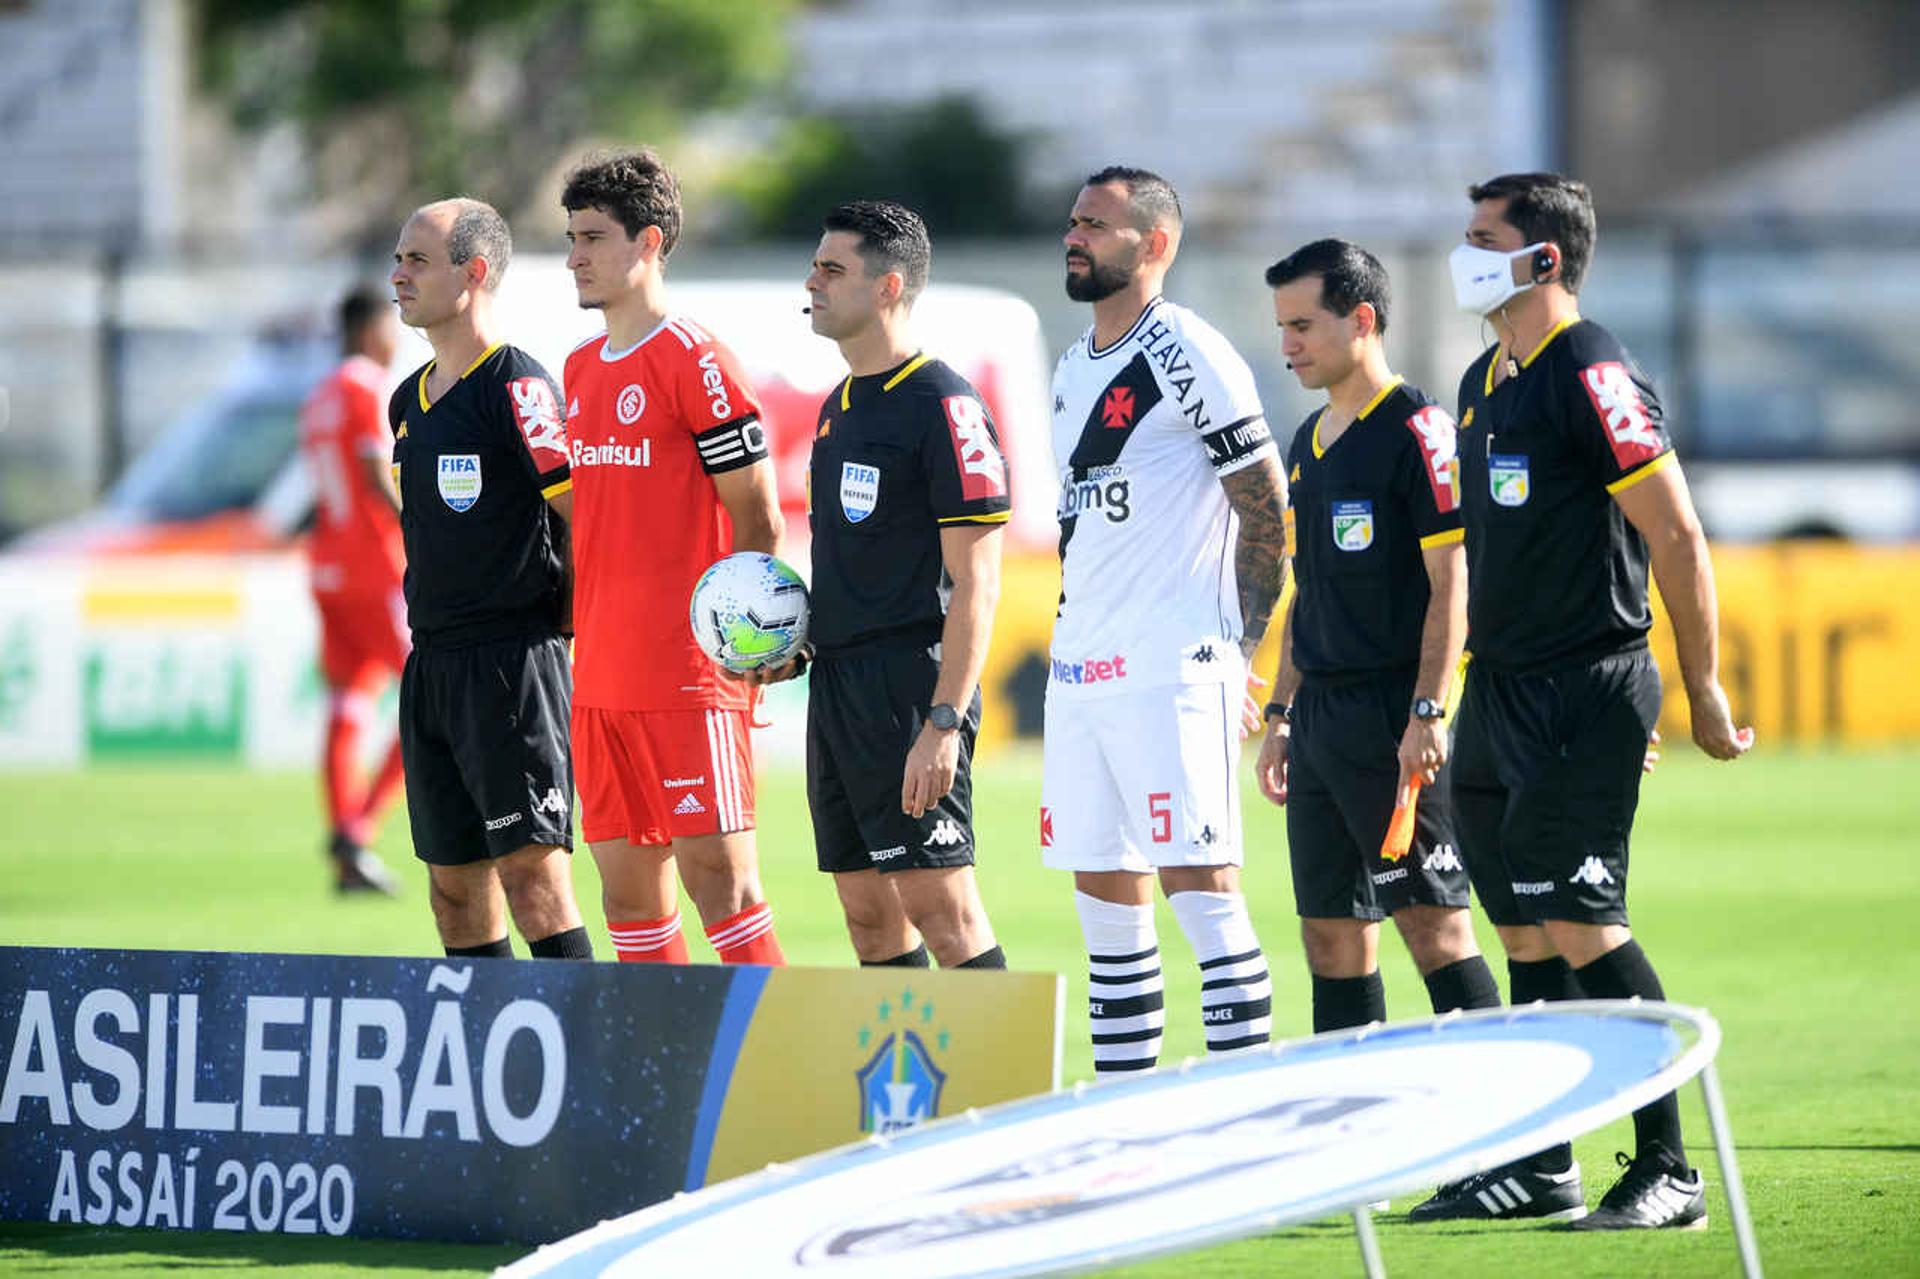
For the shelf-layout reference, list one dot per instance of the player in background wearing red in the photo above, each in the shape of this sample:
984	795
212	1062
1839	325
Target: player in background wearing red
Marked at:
670	472
355	562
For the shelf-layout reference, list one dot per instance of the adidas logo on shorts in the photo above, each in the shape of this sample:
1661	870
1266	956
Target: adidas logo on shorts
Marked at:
689	804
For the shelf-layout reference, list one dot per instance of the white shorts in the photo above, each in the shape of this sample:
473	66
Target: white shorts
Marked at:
1142	779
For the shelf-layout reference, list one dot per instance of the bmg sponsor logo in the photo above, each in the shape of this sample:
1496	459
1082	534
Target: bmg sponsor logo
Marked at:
1105	489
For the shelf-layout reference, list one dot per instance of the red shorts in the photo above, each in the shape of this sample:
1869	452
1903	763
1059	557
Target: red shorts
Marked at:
651	777
363	638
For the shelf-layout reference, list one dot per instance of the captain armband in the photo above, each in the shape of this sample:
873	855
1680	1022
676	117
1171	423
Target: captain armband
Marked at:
1231	446
732	445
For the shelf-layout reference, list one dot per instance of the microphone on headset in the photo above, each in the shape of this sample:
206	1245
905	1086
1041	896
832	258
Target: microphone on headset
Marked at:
806	310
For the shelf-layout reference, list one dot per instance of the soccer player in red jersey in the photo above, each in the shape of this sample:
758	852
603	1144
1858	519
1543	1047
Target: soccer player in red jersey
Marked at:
355	563
670	472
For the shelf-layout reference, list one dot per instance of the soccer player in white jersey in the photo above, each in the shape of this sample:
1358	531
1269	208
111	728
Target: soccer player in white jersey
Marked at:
1172	555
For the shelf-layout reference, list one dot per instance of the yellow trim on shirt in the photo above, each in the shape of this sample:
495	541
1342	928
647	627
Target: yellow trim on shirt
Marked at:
1632	478
1319	449
401	434
425	404
1446	537
846	387
998	517
1545	342
906	372
1378	396
555	490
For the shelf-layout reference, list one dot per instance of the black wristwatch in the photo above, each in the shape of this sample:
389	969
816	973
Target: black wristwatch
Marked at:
943	717
1283	713
1427	708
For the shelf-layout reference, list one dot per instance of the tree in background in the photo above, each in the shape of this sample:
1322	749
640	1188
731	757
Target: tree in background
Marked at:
403	101
944	160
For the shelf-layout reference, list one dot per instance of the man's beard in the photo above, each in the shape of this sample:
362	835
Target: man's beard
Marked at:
1097	281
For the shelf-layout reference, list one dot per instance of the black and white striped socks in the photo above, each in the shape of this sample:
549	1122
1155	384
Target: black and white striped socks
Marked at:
1126	1003
1236	995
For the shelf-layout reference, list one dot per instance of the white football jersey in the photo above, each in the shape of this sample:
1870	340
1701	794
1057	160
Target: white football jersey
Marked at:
1142	432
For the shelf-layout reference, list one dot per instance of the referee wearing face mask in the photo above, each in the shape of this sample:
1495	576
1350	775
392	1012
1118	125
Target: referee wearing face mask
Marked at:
1570	493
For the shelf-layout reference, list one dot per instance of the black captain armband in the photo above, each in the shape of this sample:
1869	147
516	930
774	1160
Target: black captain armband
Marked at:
732	445
1229	445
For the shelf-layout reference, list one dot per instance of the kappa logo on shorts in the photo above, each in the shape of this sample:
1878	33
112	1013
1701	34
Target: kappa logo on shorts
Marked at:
689	805
1353	525
459	480
1442	858
1533	887
887	854
551	802
859	490
501	823
1507	478
1593	873
946	833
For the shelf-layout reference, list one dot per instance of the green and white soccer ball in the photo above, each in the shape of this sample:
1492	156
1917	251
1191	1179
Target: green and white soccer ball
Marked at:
749	610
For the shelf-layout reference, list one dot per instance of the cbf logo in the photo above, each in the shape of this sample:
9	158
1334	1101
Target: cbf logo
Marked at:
900	1085
459	480
1507	478
859	490
1353	525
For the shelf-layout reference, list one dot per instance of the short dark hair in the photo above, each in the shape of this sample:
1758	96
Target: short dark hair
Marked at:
892	238
634	188
1349	275
478	231
362	305
1548	206
1151	199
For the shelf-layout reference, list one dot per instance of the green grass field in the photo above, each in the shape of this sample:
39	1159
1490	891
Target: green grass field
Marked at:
1779	893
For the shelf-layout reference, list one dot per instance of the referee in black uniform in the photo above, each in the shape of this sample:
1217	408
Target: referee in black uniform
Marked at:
907	496
480	460
1369	650
1571	492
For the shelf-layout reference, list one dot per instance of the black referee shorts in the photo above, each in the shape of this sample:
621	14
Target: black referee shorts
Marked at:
483	735
1546	778
864	711
1343	777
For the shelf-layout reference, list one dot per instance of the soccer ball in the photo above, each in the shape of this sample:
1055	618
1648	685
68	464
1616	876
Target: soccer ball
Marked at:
749	610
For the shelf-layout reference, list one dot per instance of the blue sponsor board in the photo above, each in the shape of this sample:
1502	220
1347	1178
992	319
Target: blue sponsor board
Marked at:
406	1098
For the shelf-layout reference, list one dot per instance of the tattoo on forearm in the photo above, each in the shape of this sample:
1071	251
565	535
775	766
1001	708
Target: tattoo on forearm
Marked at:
1258	495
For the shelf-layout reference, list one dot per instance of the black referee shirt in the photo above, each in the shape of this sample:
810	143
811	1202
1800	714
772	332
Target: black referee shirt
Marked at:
895	456
1555	572
1359	513
485	553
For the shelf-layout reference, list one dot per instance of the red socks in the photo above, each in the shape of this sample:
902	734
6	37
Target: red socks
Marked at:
747	938
648	941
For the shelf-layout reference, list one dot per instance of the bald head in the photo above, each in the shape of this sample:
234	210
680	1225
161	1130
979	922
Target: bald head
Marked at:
472	229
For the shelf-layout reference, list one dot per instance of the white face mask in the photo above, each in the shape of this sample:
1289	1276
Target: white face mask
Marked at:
1483	278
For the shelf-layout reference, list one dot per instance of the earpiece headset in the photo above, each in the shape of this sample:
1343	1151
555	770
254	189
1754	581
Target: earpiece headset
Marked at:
1542	263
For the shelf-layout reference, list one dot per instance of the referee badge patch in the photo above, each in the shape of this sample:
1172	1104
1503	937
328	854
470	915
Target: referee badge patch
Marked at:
1353	525
459	480
859	490
1507	478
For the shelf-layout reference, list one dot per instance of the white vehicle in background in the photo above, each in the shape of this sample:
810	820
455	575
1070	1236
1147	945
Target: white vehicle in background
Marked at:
227	475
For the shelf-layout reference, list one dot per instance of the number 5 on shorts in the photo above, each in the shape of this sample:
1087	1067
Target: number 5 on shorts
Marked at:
1160	809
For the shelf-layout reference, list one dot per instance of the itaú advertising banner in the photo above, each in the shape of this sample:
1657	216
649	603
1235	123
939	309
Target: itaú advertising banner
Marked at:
1172	1160
429	1099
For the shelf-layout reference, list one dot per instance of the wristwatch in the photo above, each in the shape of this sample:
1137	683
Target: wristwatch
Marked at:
1282	713
1427	708
943	717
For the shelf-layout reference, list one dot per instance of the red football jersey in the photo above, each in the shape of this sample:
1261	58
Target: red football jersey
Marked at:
648	427
355	547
